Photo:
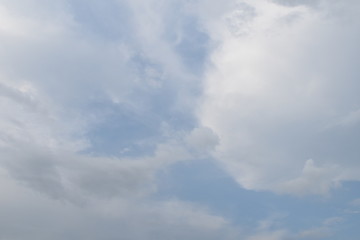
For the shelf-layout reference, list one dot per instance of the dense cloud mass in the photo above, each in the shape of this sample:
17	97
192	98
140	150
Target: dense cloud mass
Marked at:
103	101
282	96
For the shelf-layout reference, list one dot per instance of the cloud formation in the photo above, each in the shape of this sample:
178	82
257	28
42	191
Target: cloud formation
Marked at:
98	99
281	90
68	71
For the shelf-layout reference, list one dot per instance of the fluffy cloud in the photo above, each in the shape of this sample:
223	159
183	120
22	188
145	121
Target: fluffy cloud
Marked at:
281	89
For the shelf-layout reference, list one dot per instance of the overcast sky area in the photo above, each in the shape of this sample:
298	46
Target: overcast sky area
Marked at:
179	119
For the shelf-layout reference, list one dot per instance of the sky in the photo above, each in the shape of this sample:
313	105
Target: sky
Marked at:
179	119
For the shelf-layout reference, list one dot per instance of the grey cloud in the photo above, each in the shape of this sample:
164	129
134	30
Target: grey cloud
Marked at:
34	168
33	216
202	140
298	2
65	175
16	95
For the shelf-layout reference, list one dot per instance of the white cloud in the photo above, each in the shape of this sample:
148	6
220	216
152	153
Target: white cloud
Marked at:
272	91
313	180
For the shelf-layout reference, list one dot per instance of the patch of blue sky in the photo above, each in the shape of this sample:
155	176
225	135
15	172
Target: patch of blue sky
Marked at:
134	129
193	46
108	20
349	229
342	200
190	42
119	131
123	132
150	89
195	181
113	21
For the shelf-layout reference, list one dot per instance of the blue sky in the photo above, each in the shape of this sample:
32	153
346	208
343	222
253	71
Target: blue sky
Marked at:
176	119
